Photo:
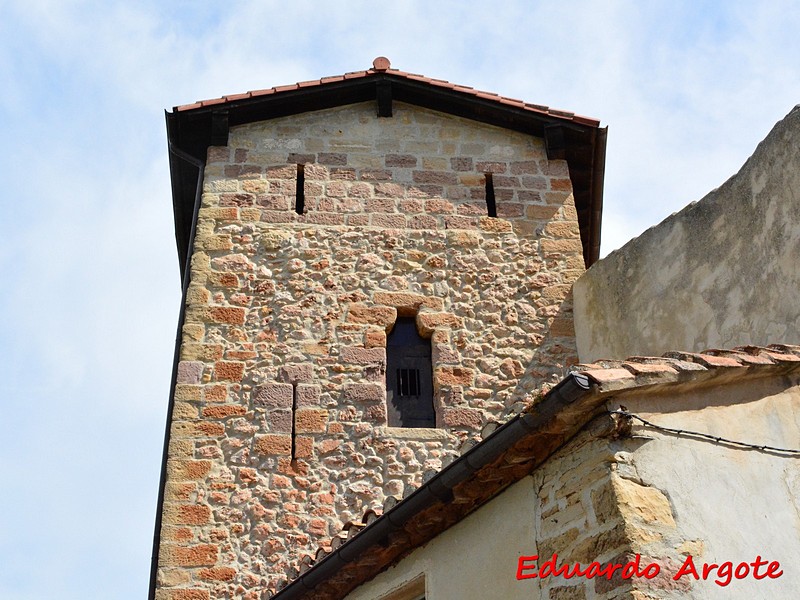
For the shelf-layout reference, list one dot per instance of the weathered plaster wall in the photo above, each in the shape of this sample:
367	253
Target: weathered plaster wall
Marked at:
720	273
724	503
287	308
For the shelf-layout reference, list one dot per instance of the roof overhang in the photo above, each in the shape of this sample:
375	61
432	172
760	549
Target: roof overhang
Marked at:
579	140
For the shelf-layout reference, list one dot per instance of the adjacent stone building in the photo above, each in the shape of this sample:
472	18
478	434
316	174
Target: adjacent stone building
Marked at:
375	266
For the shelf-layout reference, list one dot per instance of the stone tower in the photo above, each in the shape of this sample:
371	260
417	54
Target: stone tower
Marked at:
330	229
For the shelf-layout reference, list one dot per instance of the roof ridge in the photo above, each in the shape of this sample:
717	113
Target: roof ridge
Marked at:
387	70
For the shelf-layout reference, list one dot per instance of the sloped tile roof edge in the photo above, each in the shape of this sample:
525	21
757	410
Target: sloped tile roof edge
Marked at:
323	81
509	453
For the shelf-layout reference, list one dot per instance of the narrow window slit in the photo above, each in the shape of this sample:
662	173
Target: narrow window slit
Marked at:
294	416
300	190
409	377
490	204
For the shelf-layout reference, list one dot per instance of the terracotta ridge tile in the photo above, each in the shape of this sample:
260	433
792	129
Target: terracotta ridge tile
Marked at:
512	102
787	348
707	360
586	120
539	107
189	106
237	97
743	357
263	92
642	368
609	375
213	101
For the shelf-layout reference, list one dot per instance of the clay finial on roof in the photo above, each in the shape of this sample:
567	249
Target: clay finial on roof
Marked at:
381	63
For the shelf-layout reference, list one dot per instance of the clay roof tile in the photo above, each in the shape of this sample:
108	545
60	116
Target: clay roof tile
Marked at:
707	360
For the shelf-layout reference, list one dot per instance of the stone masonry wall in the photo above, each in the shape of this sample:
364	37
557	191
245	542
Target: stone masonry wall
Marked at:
594	507
279	432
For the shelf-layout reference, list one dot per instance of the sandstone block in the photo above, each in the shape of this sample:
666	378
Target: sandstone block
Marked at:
423	222
562	326
280	421
389	221
563	229
228	370
184	411
191	429
569	245
186	392
173	577
376	414
310	420
491	167
463	238
182	594
188	556
223	411
390	190
304	447
375	339
331	158
510	209
217	574
383	316
274	395
364	392
459	222
273	444
297	373
308	395
381	205
190	371
427	322
229	280
463	417
185	470
363	356
646	503
400	160
557	292
494	225
200	352
215	393
541	212
406	303
436	177
188	514
461	163
454	376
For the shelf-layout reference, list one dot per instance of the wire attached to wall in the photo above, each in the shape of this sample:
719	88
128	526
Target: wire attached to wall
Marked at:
622	412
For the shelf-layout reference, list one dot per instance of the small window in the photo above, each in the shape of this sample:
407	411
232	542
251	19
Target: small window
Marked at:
409	381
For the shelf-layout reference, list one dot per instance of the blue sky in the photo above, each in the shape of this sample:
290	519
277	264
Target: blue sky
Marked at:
90	288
